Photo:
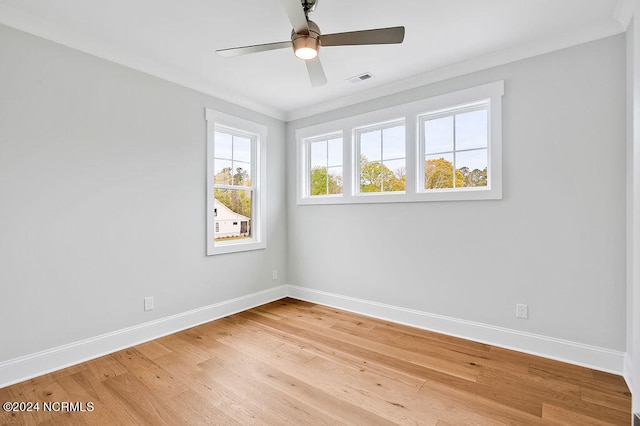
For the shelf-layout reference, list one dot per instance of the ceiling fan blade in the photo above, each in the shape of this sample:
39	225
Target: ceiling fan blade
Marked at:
244	50
296	15
391	35
316	73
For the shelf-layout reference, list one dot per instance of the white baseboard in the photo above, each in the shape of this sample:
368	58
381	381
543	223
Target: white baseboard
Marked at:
548	347
26	367
33	365
628	369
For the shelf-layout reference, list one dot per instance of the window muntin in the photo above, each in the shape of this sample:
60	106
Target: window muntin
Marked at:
382	165
469	161
325	168
455	148
232	152
235	172
233	187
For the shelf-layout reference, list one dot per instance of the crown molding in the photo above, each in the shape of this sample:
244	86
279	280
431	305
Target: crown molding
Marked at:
624	12
21	21
517	53
38	27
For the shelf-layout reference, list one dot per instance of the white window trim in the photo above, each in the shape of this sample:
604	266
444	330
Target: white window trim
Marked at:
357	149
258	158
475	106
306	184
411	113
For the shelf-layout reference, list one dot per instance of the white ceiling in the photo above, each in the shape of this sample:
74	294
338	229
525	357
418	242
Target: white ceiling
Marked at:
176	40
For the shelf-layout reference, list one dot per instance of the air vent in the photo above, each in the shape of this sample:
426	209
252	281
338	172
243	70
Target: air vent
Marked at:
361	77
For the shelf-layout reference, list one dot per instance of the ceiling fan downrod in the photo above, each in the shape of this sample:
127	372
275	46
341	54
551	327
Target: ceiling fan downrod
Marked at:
309	6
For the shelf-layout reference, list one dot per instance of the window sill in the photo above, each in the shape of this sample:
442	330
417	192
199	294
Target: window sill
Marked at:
467	194
226	247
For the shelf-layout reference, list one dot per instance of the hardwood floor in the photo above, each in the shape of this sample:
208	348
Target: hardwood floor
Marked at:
292	362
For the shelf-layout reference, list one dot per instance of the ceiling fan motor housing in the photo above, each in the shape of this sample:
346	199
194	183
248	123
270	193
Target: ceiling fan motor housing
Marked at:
306	39
309	41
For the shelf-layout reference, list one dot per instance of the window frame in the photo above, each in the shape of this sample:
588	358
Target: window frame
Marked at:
219	121
307	159
410	113
357	133
484	105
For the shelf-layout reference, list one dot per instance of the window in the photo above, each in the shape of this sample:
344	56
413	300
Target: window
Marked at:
382	165
325	165
448	147
235	190
455	146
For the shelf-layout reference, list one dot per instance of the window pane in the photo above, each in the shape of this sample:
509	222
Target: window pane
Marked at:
325	180
370	177
370	147
242	149
396	180
335	152
438	171
334	180
438	135
473	166
471	130
233	214
393	143
379	177
222	171
222	145
318	181
241	173
319	154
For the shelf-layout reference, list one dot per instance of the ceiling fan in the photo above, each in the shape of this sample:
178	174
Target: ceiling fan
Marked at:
306	39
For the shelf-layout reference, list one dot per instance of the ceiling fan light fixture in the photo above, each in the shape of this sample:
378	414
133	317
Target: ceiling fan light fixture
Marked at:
306	39
306	47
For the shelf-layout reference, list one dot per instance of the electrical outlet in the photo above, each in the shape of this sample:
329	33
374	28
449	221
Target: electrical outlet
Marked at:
148	303
522	311
274	275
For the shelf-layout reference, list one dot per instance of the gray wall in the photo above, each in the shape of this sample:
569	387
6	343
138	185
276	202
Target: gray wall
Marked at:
555	242
102	179
102	186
